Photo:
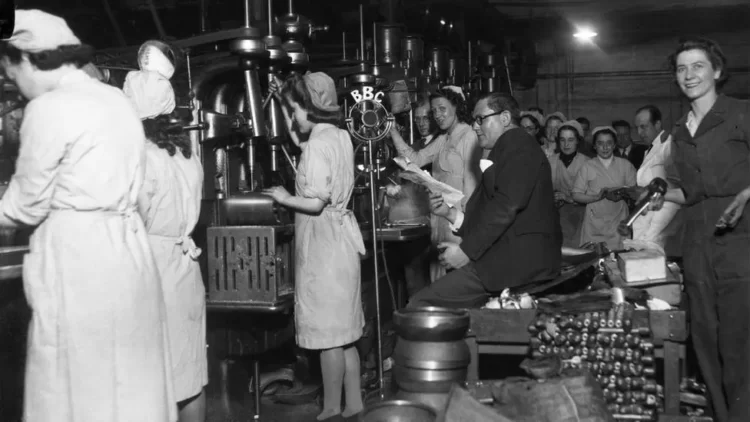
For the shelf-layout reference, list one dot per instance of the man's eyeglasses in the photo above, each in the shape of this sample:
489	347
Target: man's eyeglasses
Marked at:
480	119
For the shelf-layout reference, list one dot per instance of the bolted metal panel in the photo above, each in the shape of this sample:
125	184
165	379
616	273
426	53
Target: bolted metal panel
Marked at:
250	267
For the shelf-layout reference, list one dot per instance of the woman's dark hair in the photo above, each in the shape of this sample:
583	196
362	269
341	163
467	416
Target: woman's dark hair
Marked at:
294	88
712	51
167	133
579	138
78	55
533	119
462	108
605	132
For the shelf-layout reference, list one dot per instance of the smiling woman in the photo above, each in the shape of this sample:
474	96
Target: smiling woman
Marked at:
454	155
711	176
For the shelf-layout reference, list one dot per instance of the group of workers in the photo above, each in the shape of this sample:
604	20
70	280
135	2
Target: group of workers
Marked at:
509	231
118	326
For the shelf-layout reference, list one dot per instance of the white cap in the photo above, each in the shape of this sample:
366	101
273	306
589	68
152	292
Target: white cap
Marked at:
37	31
151	93
152	57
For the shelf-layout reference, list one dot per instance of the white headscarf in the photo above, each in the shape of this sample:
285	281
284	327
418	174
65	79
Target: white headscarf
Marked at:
151	93
37	31
152	57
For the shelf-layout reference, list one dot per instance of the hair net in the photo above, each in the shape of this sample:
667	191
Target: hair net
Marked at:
322	91
37	31
150	92
575	125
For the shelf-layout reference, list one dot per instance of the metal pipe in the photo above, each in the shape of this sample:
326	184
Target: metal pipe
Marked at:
291	7
157	20
507	74
374	44
247	13
289	158
202	6
373	190
343	45
113	21
270	17
362	32
411	126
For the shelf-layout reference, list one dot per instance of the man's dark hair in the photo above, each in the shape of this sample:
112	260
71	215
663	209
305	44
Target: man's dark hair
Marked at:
78	55
621	123
498	102
583	121
653	112
713	52
537	109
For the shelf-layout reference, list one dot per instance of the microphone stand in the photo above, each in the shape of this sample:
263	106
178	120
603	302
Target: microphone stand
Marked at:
371	169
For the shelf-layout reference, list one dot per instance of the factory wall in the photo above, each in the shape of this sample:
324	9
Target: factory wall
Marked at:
610	84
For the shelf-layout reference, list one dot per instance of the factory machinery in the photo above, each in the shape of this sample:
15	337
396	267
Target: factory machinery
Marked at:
239	131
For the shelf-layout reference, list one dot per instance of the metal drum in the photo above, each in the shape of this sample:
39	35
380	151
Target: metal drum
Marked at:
439	59
389	43
457	71
413	46
431	354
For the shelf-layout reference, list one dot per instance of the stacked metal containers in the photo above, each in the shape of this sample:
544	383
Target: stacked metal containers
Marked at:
431	353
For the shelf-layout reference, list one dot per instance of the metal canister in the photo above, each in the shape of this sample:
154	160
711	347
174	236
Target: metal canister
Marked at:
412	47
389	42
439	59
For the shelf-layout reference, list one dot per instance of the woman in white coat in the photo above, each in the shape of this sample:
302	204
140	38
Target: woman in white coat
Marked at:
97	348
169	203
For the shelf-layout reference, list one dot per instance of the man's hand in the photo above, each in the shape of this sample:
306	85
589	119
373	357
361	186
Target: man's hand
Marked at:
452	256
734	211
438	206
636	192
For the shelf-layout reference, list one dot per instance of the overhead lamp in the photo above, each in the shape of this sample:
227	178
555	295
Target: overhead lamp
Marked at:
442	21
585	34
451	25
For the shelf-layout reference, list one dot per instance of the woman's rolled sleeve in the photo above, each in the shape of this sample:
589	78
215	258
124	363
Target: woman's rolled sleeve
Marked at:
315	167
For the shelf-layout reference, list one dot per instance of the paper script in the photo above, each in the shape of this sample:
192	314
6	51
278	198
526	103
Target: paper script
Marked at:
411	172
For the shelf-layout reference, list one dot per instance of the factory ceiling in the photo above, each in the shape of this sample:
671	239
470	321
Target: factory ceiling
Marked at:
119	23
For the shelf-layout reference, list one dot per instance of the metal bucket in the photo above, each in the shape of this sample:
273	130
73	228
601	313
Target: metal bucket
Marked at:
398	411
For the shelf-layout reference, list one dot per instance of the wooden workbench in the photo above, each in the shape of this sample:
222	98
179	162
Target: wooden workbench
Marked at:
505	332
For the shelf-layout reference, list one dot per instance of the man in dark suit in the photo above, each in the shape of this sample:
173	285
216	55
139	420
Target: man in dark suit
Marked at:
511	230
625	146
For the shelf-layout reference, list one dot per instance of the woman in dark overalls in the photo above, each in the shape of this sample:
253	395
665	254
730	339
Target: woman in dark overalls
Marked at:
711	177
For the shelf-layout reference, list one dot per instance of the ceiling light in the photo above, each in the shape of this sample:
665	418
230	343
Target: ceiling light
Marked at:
585	34
451	25
442	21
